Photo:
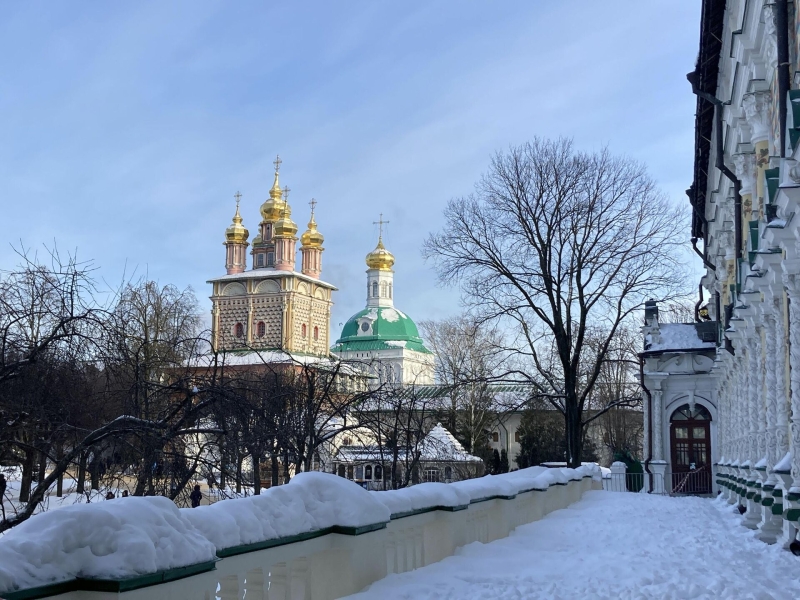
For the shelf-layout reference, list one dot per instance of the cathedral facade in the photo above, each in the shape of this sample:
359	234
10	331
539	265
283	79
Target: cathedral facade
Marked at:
272	306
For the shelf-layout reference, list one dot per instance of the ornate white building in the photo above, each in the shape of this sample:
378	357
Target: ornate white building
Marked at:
746	201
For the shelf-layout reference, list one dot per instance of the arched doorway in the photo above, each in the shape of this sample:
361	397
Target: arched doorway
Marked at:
690	441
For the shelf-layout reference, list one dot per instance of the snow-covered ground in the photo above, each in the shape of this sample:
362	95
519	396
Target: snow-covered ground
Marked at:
612	545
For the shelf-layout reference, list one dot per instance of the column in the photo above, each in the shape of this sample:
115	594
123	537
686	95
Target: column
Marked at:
792	499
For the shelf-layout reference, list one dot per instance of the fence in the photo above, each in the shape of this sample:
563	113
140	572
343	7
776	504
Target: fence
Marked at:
695	482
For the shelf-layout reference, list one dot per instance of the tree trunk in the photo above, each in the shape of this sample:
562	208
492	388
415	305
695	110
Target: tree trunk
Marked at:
60	480
27	477
82	473
239	459
42	467
256	458
275	471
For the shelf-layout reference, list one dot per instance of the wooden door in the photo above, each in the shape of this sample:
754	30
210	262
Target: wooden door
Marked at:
690	441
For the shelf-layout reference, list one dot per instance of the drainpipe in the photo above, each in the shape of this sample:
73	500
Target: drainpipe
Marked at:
720	159
782	34
649	425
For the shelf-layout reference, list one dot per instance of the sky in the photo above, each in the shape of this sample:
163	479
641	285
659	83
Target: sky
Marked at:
127	128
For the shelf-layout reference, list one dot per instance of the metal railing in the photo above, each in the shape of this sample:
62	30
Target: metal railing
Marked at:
695	482
634	482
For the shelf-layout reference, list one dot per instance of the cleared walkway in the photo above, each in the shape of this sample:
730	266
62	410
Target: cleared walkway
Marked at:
612	545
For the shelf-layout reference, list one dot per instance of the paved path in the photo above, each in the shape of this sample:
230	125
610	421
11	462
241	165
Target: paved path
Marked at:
612	545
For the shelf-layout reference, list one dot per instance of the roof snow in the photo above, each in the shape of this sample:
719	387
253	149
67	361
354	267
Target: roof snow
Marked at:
676	336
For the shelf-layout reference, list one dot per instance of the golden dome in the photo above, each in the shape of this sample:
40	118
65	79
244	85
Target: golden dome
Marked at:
380	258
236	233
285	227
312	238
273	208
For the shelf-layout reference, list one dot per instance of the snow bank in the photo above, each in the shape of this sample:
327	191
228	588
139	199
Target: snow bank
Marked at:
785	463
310	502
110	540
127	537
460	493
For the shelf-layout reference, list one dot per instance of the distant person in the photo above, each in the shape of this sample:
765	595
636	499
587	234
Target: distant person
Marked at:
110	496
196	496
2	485
124	493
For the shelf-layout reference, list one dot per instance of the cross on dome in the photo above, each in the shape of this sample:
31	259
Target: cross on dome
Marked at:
313	205
286	191
380	222
277	162
238	197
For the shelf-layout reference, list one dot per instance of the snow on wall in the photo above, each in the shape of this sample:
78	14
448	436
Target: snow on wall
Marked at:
126	537
676	336
110	540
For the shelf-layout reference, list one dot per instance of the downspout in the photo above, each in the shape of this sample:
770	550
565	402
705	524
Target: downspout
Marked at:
782	35
699	302
709	265
720	159
649	425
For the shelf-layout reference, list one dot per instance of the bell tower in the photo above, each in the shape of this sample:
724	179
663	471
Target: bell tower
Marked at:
236	243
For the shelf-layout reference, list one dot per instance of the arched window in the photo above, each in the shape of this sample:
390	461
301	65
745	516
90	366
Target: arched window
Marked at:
368	472
270	259
350	472
374	289
260	260
378	472
390	290
261	329
239	330
303	329
448	473
316	333
341	471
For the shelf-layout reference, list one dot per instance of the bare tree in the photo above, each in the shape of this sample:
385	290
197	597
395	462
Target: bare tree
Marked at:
469	357
555	242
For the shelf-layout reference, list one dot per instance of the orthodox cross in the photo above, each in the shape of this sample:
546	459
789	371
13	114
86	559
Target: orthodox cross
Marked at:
277	162
238	196
313	205
380	223
286	191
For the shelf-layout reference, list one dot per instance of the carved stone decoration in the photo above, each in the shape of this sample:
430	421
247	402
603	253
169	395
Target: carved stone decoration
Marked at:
759	408
756	112
770	400
782	407
745	167
792	283
770	37
658	411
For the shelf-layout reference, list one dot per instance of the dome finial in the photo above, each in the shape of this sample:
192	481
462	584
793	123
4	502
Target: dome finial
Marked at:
312	238
237	233
380	258
273	208
380	223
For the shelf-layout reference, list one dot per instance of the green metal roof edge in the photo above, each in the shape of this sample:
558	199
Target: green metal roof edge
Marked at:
375	343
300	537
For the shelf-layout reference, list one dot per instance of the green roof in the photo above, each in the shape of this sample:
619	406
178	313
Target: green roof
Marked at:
381	328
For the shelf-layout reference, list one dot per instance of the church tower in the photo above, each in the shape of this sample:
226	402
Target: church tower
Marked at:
381	337
272	306
236	243
311	247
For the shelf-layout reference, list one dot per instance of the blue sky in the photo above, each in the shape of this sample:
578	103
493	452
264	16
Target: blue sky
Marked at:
126	128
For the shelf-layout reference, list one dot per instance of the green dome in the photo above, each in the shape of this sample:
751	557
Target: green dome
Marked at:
380	328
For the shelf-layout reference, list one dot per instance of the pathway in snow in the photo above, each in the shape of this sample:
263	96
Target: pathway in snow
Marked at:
612	545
